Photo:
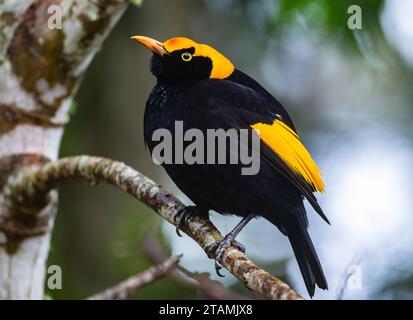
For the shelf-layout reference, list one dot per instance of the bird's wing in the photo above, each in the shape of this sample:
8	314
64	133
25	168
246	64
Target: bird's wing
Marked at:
282	149
283	141
240	107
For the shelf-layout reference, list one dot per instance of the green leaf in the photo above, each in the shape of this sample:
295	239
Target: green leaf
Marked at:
48	296
137	3
73	107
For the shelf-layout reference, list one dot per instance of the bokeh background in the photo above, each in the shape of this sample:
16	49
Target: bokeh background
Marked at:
350	95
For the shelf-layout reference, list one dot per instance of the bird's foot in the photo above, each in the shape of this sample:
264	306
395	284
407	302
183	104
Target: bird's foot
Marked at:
181	218
220	249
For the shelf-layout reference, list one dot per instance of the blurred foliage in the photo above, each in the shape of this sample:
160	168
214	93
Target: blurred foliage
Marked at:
137	3
73	108
98	231
327	15
328	18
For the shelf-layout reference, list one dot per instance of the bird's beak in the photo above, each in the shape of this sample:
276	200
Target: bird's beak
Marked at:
154	45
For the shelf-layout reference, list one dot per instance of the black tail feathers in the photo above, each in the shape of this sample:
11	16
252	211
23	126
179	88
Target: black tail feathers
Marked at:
305	254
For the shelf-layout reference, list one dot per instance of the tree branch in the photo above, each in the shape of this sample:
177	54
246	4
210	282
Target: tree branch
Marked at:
134	283
29	188
212	289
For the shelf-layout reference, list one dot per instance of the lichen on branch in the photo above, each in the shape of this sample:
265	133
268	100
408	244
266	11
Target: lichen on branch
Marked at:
41	68
34	184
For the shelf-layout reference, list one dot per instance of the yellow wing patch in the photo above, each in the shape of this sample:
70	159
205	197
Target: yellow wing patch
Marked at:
287	145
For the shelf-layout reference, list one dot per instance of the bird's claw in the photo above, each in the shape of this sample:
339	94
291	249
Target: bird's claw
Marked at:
220	249
239	246
181	218
218	267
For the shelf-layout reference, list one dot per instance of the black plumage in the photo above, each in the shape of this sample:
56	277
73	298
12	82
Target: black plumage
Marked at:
185	92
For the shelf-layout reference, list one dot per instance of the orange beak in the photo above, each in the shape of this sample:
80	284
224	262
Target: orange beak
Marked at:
154	45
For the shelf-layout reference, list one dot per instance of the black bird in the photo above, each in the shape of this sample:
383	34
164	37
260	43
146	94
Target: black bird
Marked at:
200	88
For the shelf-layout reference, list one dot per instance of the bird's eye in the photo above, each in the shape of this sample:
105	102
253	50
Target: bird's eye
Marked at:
186	56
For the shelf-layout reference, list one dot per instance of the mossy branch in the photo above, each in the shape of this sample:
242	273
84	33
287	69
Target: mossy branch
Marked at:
30	188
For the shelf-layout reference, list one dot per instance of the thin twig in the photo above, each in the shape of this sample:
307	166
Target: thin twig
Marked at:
347	275
34	183
134	283
212	289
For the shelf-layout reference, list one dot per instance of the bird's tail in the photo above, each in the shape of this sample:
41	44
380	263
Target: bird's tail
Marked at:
305	253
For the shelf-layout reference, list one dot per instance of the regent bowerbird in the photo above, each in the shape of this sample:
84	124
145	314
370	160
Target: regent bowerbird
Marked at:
201	88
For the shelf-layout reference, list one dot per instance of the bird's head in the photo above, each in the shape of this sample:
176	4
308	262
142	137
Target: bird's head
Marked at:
181	59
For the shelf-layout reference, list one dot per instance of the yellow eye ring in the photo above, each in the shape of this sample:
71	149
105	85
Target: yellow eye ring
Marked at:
186	56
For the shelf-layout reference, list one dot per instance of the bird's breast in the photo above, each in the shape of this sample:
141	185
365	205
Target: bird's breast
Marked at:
162	110
161	96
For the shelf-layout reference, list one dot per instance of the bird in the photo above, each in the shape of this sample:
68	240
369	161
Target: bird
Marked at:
199	87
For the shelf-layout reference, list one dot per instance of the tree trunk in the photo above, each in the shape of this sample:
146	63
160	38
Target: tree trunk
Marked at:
41	67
